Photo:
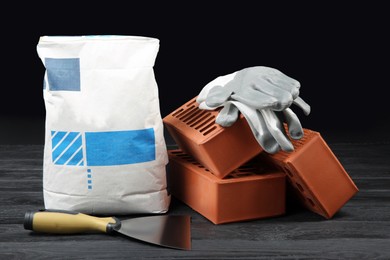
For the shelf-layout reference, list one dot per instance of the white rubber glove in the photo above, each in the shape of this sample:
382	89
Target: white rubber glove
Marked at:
258	92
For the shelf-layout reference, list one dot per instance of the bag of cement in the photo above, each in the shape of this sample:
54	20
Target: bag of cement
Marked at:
104	145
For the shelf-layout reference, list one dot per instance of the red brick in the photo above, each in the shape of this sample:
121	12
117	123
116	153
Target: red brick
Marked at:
219	149
316	174
252	191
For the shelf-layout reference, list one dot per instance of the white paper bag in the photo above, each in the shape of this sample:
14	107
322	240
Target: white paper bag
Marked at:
104	145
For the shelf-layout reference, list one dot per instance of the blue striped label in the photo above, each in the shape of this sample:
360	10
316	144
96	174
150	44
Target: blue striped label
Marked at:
120	147
103	148
67	148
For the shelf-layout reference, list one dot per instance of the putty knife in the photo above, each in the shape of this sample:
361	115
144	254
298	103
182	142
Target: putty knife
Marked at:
164	230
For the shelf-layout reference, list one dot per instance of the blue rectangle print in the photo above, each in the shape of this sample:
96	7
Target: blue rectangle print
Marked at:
63	74
120	147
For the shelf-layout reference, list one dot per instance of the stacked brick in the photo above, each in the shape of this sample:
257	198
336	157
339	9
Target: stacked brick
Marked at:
223	174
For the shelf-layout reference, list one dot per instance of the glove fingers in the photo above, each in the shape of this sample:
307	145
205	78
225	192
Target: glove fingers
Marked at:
294	125
228	115
266	139
203	105
281	80
283	97
303	105
292	88
276	129
255	99
258	127
217	96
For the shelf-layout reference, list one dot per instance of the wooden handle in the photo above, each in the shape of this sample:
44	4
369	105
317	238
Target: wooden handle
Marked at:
67	222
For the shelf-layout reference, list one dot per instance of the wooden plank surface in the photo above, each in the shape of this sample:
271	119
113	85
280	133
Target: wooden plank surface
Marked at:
360	230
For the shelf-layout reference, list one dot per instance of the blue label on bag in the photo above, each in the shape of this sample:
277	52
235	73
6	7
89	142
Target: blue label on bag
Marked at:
103	148
120	147
63	74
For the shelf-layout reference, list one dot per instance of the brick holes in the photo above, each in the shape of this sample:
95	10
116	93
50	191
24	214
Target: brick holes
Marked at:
202	121
311	202
300	187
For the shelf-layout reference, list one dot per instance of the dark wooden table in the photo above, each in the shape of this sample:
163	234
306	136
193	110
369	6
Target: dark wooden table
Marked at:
360	230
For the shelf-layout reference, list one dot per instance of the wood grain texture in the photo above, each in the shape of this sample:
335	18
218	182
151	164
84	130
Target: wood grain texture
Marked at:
360	230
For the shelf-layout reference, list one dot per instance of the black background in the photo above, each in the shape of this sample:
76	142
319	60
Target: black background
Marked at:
339	53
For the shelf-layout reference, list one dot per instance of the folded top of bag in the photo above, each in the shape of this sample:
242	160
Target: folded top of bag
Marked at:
59	38
102	51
